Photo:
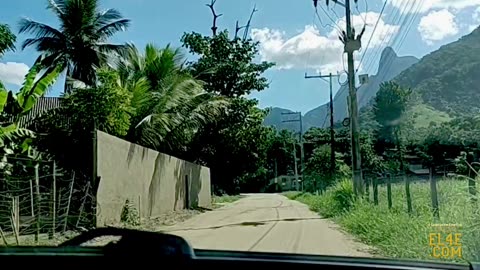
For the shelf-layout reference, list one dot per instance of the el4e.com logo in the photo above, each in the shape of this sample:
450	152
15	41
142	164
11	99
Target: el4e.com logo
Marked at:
445	241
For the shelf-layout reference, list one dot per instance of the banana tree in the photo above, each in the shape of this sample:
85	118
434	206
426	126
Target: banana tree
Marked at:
15	105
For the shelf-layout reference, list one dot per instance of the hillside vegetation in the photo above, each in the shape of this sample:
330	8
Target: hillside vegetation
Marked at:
447	79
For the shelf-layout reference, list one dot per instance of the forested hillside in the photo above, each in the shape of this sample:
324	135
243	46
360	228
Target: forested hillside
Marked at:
448	79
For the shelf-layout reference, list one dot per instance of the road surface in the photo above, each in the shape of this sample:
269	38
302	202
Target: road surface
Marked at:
267	223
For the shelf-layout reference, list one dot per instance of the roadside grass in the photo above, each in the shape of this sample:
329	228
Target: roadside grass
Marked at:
394	232
292	195
225	199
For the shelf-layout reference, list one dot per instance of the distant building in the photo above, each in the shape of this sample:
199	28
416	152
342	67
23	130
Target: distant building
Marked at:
285	183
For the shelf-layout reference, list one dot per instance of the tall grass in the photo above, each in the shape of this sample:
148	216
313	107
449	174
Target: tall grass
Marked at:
394	232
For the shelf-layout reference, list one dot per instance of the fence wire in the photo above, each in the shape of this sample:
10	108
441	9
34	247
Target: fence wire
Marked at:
43	199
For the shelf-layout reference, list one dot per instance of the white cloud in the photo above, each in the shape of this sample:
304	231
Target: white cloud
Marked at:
437	25
312	49
428	5
476	15
13	72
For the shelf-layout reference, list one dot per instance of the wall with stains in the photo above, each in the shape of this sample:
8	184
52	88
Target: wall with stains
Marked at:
153	182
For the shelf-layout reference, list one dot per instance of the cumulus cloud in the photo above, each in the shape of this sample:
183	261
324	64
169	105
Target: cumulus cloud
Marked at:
312	49
437	25
13	72
428	5
475	20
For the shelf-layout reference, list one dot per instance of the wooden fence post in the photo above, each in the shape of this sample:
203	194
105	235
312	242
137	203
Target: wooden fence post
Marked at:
54	199
407	193
367	187
375	190
68	203
31	198
14	219
471	177
389	191
37	192
3	237
83	204
433	192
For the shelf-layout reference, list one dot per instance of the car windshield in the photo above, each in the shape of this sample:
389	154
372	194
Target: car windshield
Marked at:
342	127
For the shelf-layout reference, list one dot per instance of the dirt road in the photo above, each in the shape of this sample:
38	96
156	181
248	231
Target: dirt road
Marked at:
267	223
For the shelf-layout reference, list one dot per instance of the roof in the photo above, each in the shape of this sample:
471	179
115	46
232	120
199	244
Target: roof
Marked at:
42	105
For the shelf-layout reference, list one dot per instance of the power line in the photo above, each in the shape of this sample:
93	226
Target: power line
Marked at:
333	21
387	40
373	33
360	14
407	30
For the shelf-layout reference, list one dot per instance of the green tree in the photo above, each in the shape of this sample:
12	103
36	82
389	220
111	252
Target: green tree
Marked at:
226	65
169	105
7	39
233	146
318	168
68	130
80	45
391	102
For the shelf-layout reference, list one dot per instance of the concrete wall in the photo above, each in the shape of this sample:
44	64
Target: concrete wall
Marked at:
154	182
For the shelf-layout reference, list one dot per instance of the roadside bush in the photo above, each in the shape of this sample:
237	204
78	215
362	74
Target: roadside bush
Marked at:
336	200
343	195
130	214
292	195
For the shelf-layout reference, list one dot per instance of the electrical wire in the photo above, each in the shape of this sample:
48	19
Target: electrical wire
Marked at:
331	19
371	36
397	14
360	14
409	26
397	17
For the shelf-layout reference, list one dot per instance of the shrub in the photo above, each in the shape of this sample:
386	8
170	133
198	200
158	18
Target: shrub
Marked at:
129	214
292	195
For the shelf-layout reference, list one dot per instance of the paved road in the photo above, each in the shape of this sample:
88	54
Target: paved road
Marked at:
267	223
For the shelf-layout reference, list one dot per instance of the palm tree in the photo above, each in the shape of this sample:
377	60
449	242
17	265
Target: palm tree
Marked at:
79	45
7	39
169	104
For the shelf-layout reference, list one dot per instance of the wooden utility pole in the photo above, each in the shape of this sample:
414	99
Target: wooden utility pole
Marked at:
352	43
332	131
299	120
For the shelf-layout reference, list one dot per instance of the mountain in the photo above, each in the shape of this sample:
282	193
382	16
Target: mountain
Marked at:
390	66
449	79
276	117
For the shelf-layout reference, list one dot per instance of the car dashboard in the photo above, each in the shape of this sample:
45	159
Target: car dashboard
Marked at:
139	247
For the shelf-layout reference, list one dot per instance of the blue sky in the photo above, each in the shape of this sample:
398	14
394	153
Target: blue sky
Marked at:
290	35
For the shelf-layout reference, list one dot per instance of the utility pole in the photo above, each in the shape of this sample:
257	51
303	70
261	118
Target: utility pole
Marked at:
332	131
352	43
300	121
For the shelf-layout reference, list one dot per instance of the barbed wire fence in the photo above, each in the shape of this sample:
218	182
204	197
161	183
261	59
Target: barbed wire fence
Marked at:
43	199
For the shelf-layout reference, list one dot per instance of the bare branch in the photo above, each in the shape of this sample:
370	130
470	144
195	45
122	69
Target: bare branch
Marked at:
237	29
215	16
247	27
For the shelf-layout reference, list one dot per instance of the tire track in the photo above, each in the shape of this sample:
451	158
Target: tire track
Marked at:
264	235
299	230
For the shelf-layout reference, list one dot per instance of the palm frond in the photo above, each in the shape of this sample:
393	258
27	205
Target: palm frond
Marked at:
45	44
7	39
58	6
112	28
38	29
106	16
